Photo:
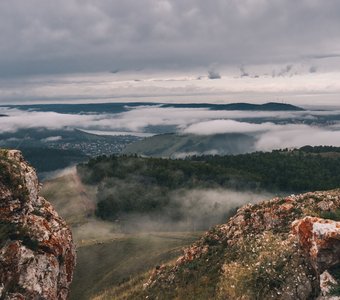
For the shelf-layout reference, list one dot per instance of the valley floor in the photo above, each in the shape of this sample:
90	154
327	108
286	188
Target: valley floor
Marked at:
105	265
107	258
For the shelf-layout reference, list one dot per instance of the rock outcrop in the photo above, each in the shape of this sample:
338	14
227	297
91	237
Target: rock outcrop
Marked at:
286	248
37	254
320	239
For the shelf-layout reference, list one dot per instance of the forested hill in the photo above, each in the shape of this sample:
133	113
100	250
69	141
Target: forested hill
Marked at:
270	106
128	184
119	107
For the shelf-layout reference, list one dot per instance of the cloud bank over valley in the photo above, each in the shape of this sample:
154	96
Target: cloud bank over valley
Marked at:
271	129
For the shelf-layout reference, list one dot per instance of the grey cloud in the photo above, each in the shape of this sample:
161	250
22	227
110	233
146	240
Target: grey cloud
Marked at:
324	56
243	72
45	36
214	75
285	70
313	69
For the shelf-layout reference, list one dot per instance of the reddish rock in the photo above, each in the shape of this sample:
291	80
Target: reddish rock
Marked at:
326	283
37	254
296	263
319	238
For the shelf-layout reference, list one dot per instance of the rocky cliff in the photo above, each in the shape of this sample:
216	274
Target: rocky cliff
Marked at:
37	254
285	248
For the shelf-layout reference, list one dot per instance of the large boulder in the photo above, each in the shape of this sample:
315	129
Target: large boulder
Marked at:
37	253
320	238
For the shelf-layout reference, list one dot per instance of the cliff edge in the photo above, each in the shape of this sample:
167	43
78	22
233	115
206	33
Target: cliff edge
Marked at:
286	248
37	254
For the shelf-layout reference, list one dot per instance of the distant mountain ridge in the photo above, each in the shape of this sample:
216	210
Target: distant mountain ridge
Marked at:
119	107
270	106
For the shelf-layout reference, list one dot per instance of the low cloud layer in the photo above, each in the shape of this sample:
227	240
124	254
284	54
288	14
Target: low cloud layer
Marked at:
18	119
186	119
274	134
271	136
199	210
227	126
297	136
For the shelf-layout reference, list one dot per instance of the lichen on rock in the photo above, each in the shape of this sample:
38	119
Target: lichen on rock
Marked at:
320	239
37	254
277	249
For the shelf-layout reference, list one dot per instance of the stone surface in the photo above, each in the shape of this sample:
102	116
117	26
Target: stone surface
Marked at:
282	242
320	238
326	283
37	254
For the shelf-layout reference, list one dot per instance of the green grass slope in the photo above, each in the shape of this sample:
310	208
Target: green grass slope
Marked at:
74	201
174	145
255	255
112	263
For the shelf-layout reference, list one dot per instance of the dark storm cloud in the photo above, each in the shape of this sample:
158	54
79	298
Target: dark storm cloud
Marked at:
324	56
45	36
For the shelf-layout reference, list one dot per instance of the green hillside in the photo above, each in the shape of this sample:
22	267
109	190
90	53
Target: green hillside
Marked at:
178	146
157	188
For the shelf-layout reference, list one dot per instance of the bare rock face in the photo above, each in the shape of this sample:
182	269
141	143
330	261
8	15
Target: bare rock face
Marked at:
320	239
285	248
37	254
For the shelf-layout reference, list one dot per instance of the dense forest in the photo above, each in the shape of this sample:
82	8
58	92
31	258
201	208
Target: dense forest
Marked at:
132	184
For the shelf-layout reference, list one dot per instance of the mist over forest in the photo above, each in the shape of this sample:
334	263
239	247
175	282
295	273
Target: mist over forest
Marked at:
200	191
204	149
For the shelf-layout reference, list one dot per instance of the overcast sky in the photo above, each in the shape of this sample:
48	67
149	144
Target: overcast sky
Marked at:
65	50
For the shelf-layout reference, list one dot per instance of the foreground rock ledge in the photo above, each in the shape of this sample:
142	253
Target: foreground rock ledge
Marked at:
285	248
37	254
